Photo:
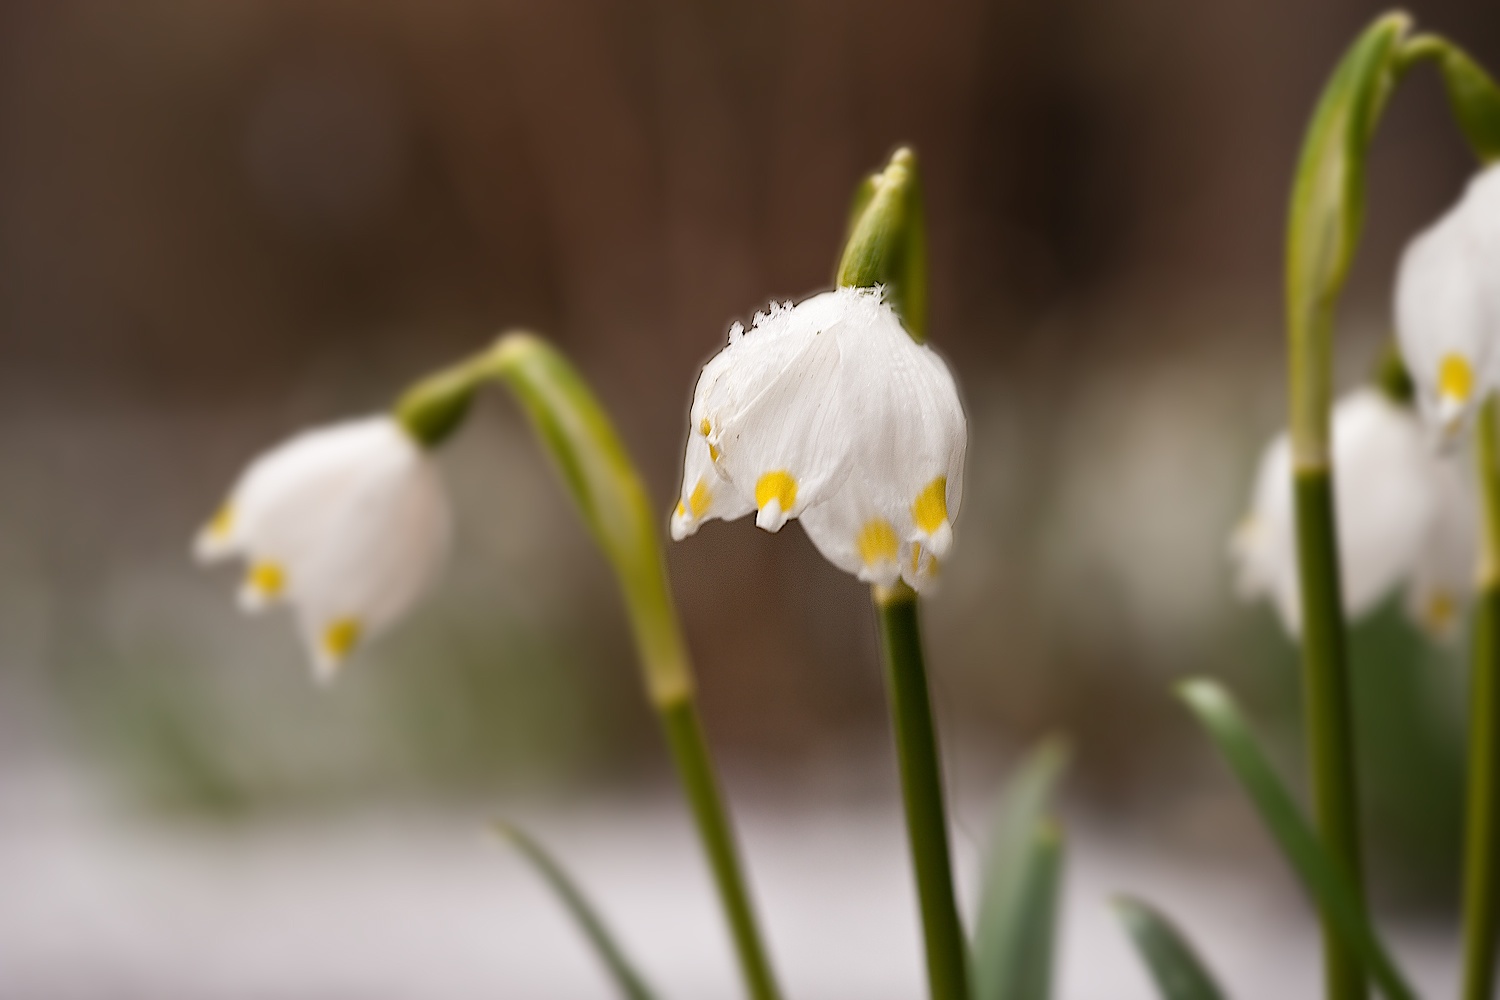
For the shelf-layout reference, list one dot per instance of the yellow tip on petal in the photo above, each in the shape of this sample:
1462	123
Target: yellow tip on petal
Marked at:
1439	611
706	428
339	639
699	499
267	579
219	525
778	486
1455	378
877	543
930	509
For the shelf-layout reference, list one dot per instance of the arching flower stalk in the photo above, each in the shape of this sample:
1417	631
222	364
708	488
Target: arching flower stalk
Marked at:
348	523
835	413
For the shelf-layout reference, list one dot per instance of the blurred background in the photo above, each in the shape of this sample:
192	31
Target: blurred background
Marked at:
222	222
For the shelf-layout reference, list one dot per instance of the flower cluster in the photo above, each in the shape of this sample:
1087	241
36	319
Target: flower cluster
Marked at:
1405	515
1448	305
828	411
347	523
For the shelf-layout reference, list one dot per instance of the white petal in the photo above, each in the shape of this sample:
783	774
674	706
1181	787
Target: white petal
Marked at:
1448	306
705	494
776	422
908	424
1442	580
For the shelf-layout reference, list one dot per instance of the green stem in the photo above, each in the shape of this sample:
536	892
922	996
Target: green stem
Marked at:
596	468
1482	838
922	792
690	752
1328	710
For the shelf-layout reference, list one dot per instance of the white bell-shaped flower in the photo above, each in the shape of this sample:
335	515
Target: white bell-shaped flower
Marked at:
346	523
828	411
1448	305
1405	515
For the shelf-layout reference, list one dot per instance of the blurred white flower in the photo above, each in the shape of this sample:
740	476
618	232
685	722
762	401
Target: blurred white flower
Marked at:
1405	515
1448	305
829	412
346	523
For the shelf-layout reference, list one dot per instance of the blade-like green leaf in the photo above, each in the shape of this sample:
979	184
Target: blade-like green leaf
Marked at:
1018	897
1178	971
1328	883
630	983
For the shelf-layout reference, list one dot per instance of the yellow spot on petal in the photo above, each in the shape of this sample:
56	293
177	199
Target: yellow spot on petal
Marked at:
699	499
877	542
1440	611
267	579
681	510
340	637
1455	378
930	509
706	427
220	524
916	559
778	485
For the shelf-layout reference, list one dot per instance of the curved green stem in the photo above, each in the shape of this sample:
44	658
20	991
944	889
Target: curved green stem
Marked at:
1482	835
922	792
599	474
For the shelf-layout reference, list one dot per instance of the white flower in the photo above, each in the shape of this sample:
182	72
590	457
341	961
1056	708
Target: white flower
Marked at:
1448	305
347	523
1404	515
829	412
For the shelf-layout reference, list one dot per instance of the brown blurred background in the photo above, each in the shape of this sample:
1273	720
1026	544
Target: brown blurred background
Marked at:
220	222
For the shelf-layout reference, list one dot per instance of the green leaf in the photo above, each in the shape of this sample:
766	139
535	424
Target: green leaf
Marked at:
887	243
1327	213
1328	883
1178	971
629	981
1022	874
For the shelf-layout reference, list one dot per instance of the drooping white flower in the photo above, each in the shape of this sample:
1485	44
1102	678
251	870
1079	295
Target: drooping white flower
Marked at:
829	412
1448	305
1405	515
346	523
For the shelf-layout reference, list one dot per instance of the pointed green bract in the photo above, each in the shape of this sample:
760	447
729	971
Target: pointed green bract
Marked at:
887	242
1175	967
630	983
1327	212
1321	875
1018	895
